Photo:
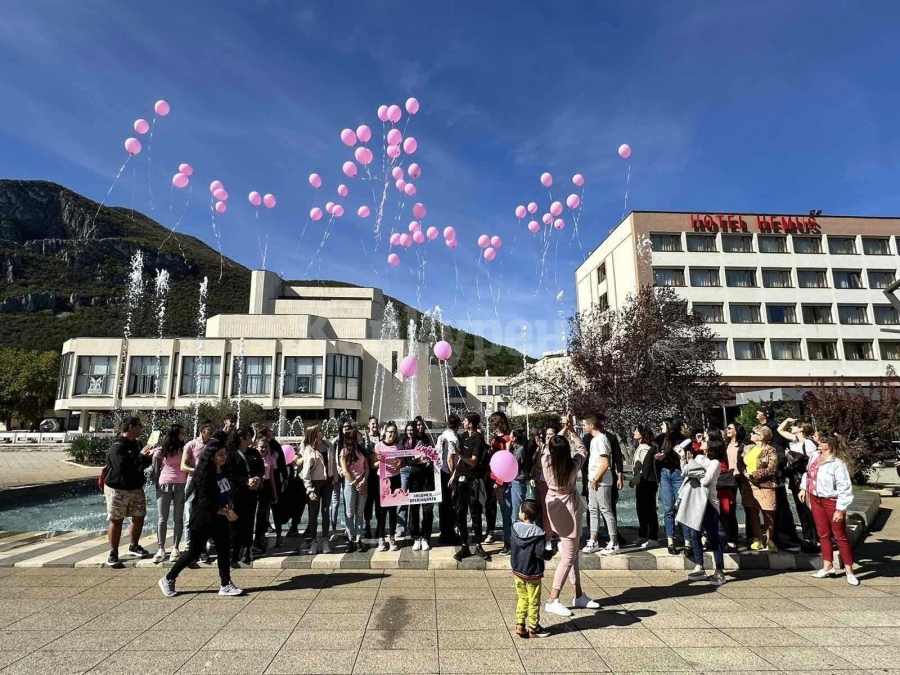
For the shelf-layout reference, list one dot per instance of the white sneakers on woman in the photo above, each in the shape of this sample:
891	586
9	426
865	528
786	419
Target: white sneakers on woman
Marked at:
852	580
556	607
584	602
824	574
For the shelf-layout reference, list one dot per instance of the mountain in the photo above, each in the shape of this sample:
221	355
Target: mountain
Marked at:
65	262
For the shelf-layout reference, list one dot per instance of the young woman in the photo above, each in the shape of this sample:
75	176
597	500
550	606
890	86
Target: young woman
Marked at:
210	518
561	470
760	465
502	495
421	478
392	478
268	492
827	488
338	490
319	474
190	457
539	483
737	443
422	434
726	491
519	486
709	458
801	448
672	446
645	482
355	469
170	490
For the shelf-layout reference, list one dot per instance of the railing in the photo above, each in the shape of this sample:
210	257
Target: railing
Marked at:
39	437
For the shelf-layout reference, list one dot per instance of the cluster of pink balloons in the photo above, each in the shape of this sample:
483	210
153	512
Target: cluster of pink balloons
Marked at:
552	216
256	199
490	246
183	177
220	194
142	126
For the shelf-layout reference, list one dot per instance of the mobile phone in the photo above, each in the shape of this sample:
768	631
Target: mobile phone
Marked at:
154	438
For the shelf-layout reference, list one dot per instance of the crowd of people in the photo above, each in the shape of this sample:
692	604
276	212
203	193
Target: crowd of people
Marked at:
227	488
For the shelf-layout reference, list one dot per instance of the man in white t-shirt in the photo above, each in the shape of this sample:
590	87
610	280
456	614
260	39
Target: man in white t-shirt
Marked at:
600	487
448	444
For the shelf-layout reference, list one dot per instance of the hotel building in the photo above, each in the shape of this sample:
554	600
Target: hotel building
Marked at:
794	300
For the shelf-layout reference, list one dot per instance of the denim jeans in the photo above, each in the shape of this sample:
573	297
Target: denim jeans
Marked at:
335	506
354	511
669	485
711	526
517	489
504	498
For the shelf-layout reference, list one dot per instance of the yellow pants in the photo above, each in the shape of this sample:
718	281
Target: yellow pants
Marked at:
529	603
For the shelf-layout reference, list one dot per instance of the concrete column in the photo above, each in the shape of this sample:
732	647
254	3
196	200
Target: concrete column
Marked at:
83	420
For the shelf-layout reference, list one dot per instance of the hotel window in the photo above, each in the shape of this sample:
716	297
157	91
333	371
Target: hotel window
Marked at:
257	376
603	303
665	243
701	243
668	277
749	350
777	279
782	313
96	376
821	351
890	351
737	243
842	245
812	279
601	273
807	244
200	375
768	244
737	278
721	347
303	375
886	315
817	314
786	350
343	375
847	279
65	372
881	278
876	246
853	315
710	313
142	376
745	313
704	277
858	351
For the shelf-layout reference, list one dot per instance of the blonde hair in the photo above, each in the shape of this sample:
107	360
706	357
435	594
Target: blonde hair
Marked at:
312	435
840	450
764	432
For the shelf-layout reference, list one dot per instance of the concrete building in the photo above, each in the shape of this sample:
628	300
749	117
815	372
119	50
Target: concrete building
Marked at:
483	394
324	343
793	299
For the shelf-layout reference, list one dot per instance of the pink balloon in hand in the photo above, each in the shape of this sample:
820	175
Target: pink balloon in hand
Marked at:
363	133
484	241
412	106
418	237
348	137
532	207
578	180
179	180
520	212
186	169
141	126
132	145
415	170
489	254
419	210
255	198
624	151
395	239
162	108
432	233
215	185
394	137
221	194
349	169
409	145
397	173
363	212
573	201
496	241
449	232
343	190
393	260
533	226
546	179
221	207
269	201
315	213
315	180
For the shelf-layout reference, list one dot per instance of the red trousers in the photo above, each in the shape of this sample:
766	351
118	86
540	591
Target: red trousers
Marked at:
823	513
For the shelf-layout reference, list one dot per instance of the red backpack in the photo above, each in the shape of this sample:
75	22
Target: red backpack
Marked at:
101	479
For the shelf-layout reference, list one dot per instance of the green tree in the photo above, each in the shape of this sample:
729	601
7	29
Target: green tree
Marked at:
27	383
780	409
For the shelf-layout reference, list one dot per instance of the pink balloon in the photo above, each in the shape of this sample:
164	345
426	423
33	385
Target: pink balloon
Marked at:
546	179
496	241
397	173
363	133
215	185
624	151
410	190
556	208
520	212
337	211
315	180
408	366
394	113
221	194
443	350
532	207
141	126
363	212
432	233
186	169
394	137
179	180
400	184
412	106
393	151
578	180
409	145
451	243
449	233
255	198
418	237
405	240
343	190
504	466
349	169
573	201
415	226
269	201
161	108
393	260
419	210
329	207
315	213
559	223
348	137
415	170
383	113
547	218
489	254
132	145
395	239
484	241
363	155
290	454
533	226
221	207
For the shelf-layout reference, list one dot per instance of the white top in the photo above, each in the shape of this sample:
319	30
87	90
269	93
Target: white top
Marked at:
806	447
832	481
448	442
713	467
599	448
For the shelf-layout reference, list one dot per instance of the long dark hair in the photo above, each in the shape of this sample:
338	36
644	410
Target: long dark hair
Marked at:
351	445
562	466
233	442
499	423
740	434
538	448
715	448
424	436
518	437
205	471
172	443
645	433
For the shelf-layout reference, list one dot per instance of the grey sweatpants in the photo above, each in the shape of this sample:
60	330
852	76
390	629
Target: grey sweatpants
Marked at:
167	496
600	504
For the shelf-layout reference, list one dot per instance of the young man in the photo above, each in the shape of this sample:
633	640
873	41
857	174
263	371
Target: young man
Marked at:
193	450
470	491
448	444
600	484
370	439
227	427
124	489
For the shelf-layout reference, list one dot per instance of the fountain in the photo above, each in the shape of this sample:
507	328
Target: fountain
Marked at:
240	382
201	341
162	292
280	427
410	388
390	330
133	292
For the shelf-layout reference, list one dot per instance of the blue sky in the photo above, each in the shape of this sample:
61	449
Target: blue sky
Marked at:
731	106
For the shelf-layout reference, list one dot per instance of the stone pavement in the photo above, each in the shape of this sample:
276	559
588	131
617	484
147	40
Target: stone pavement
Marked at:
20	469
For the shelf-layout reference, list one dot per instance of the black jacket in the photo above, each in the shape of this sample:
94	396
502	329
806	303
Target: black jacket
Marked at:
126	465
527	551
238	471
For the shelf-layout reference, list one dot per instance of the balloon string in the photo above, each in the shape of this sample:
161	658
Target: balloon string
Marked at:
263	251
627	181
321	244
215	230
575	218
89	230
133	189
177	223
150	161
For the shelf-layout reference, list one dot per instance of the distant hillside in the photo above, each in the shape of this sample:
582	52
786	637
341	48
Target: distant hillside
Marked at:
56	284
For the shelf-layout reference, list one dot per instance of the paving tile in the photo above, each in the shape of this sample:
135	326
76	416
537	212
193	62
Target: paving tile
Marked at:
247	640
803	658
802	619
561	637
333	622
8	657
227	662
488	638
867	619
200	635
396	661
565	660
56	662
839	637
306	640
58	621
623	638
654	620
767	638
26	641
723	658
685	638
95	640
258	621
867	657
314	662
650	659
338	604
480	661
400	639
156	661
415	593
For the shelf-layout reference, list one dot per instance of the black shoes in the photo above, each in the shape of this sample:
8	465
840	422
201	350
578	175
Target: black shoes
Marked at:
113	559
279	541
504	551
138	550
481	553
463	553
672	550
351	547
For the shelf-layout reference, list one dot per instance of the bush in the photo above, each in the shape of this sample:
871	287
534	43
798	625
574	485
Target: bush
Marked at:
90	450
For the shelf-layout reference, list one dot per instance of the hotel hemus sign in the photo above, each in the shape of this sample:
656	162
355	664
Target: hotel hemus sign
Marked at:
718	222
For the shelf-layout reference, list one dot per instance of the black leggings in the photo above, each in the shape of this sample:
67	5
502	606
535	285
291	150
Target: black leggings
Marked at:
381	512
219	532
648	520
242	528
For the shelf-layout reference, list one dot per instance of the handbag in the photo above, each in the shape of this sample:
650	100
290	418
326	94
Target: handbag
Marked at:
727	481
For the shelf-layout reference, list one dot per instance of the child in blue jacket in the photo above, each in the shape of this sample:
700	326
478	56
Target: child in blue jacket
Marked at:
527	561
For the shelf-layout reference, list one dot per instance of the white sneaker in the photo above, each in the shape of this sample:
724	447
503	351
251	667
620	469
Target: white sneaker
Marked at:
584	602
556	607
489	539
823	573
717	579
591	546
167	587
173	556
698	574
313	548
382	545
610	549
326	547
230	589
393	546
417	545
852	580
647	544
425	545
160	556
548	546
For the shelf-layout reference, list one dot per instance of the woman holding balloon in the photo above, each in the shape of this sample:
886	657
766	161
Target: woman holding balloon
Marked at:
498	488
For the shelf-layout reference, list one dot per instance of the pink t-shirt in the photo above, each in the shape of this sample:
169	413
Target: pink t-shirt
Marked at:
358	467
170	473
391	466
196	446
269	464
